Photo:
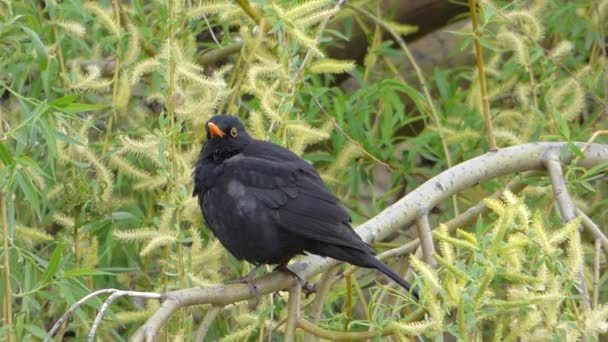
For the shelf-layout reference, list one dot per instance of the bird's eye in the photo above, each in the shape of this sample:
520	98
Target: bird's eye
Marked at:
233	132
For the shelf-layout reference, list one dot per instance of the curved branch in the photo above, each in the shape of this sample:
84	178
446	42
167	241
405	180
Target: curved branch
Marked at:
201	332
401	213
567	209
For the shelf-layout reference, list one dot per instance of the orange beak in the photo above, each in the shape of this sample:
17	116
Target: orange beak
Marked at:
215	131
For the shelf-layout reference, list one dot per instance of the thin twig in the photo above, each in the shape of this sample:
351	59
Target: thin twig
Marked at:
210	316
323	290
426	237
567	209
592	228
596	273
8	292
211	31
293	312
75	306
482	77
339	335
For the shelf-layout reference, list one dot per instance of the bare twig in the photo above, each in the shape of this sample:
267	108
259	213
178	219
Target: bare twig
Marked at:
596	274
594	230
211	31
426	237
566	206
465	175
338	335
482	77
325	283
293	312
75	306
110	300
210	316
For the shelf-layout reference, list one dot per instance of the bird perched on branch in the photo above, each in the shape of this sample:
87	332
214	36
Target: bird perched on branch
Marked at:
266	205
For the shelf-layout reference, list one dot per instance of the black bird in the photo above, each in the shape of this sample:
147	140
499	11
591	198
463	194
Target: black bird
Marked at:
266	205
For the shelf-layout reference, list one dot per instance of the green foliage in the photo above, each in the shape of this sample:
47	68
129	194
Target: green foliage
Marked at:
102	115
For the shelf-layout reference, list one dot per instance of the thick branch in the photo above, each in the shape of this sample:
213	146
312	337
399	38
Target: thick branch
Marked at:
465	175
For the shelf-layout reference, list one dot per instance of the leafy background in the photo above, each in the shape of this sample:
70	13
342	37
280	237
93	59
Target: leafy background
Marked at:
103	109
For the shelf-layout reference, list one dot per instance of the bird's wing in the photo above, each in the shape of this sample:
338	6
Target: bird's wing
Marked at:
293	188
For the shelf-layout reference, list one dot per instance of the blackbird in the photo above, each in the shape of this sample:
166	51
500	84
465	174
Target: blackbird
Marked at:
266	205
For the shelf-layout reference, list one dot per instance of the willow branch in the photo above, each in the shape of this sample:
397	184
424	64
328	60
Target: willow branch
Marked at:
567	208
75	306
293	312
210	316
460	177
426	237
596	273
482	77
339	335
594	230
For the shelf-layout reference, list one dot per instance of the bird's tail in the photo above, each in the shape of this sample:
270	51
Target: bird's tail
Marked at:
362	258
382	267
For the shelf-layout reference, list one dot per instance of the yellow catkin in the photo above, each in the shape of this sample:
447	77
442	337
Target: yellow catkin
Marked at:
105	18
144	67
516	43
141	234
331	66
527	23
159	241
32	234
73	27
413	328
123	94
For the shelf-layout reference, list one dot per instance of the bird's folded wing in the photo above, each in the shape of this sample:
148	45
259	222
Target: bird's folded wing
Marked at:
296	191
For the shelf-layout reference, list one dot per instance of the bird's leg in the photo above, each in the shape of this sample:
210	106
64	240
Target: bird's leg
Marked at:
248	279
285	269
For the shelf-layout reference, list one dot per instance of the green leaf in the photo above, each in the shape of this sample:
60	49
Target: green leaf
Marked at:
53	265
43	58
35	330
562	125
574	149
62	102
6	156
29	190
74	108
84	272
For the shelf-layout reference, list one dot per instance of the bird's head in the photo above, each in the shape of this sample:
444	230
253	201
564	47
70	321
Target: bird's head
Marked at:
226	137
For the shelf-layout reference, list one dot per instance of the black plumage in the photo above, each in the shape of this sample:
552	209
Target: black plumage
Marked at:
266	205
